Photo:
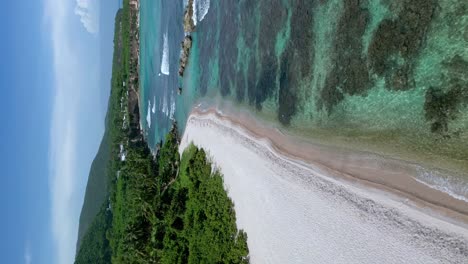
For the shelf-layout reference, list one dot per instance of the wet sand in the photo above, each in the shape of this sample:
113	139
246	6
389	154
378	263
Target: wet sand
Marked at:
292	196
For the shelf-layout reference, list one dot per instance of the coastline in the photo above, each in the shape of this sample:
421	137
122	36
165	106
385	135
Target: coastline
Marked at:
317	210
371	170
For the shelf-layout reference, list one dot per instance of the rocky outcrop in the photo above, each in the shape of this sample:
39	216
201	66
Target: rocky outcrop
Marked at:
189	26
185	53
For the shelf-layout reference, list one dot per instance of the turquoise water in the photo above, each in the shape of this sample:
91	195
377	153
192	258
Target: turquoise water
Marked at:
158	91
361	73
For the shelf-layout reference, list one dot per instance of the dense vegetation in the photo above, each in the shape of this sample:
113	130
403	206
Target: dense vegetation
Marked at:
166	210
171	211
159	208
95	246
96	189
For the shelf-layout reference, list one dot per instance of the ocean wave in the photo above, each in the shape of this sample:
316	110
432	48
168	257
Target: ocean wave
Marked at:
200	9
173	108
165	108
453	186
153	110
148	115
165	57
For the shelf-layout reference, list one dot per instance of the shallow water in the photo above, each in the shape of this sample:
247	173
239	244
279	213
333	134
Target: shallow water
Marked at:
365	74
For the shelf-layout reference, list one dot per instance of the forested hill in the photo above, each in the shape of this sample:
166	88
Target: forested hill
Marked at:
96	188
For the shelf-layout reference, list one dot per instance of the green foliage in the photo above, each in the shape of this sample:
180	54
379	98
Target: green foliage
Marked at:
96	189
209	218
180	215
95	245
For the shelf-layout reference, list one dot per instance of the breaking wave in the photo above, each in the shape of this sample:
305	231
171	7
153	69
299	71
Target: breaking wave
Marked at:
165	57
451	185
173	108
168	106
148	115
164	106
200	9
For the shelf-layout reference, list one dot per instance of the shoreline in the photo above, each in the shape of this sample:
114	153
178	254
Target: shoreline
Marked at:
391	176
296	210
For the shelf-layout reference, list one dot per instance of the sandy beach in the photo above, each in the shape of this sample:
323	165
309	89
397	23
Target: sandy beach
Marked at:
305	203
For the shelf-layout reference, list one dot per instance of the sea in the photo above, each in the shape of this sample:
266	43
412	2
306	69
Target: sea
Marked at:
388	77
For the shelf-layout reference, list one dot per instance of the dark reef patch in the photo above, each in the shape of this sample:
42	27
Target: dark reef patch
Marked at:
302	35
240	85
267	82
229	31
287	92
457	67
331	94
400	39
251	78
249	30
248	23
442	105
272	21
208	43
349	74
297	59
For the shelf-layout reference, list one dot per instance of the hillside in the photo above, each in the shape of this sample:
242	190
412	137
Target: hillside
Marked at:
97	186
96	189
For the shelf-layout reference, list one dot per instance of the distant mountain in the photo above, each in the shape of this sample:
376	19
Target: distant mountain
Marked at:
97	187
95	246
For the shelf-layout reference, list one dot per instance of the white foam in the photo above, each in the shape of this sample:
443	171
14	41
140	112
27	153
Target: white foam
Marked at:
173	108
444	183
148	115
165	107
153	110
165	57
195	12
200	9
203	7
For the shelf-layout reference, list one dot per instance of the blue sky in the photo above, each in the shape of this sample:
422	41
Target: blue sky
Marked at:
55	78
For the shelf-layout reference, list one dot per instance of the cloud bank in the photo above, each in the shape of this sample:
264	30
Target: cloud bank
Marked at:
88	10
73	129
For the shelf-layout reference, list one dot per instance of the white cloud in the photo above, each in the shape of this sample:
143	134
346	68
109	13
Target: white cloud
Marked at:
27	255
88	10
75	87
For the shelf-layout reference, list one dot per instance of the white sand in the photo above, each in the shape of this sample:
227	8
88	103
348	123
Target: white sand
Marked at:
294	213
